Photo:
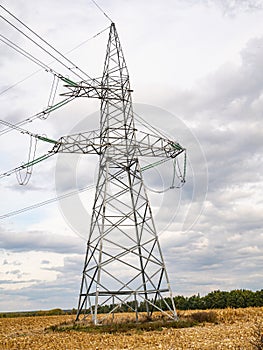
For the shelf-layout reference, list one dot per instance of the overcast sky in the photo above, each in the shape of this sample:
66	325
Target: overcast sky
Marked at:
196	70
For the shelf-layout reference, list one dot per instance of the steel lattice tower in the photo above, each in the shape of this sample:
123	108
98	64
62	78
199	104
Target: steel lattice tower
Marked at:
124	262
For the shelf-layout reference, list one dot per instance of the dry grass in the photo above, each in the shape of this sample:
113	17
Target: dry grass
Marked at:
235	330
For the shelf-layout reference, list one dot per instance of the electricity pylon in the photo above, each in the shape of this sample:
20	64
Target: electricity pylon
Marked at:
123	261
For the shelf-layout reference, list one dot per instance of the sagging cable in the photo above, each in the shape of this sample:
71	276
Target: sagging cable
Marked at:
52	96
180	174
23	178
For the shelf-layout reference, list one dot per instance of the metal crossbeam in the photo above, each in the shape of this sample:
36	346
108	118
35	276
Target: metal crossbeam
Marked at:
144	145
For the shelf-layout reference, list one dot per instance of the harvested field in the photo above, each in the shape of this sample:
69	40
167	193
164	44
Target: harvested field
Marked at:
235	329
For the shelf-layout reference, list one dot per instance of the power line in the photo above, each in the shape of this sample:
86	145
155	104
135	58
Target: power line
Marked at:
46	67
28	37
101	10
41	47
15	127
85	41
39	70
43	40
26	54
19	82
48	201
27	165
26	132
66	195
50	108
38	115
149	126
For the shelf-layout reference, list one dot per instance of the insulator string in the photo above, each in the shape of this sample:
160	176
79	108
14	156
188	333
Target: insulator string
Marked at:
52	95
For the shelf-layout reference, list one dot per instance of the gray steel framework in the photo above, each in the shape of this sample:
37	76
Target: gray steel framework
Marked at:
124	261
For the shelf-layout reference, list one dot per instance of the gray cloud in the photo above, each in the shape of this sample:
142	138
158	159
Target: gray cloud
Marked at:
62	293
45	262
230	7
40	241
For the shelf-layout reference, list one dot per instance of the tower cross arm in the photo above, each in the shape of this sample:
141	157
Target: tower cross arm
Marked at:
92	142
82	89
92	89
83	143
155	146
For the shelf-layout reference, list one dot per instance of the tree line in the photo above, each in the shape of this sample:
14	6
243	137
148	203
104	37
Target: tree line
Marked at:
238	298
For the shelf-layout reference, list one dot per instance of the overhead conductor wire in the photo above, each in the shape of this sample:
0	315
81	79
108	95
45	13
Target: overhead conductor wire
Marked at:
41	115
44	41
66	195
39	70
101	10
24	53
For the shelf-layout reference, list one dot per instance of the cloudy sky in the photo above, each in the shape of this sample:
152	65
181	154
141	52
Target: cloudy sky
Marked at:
195	67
